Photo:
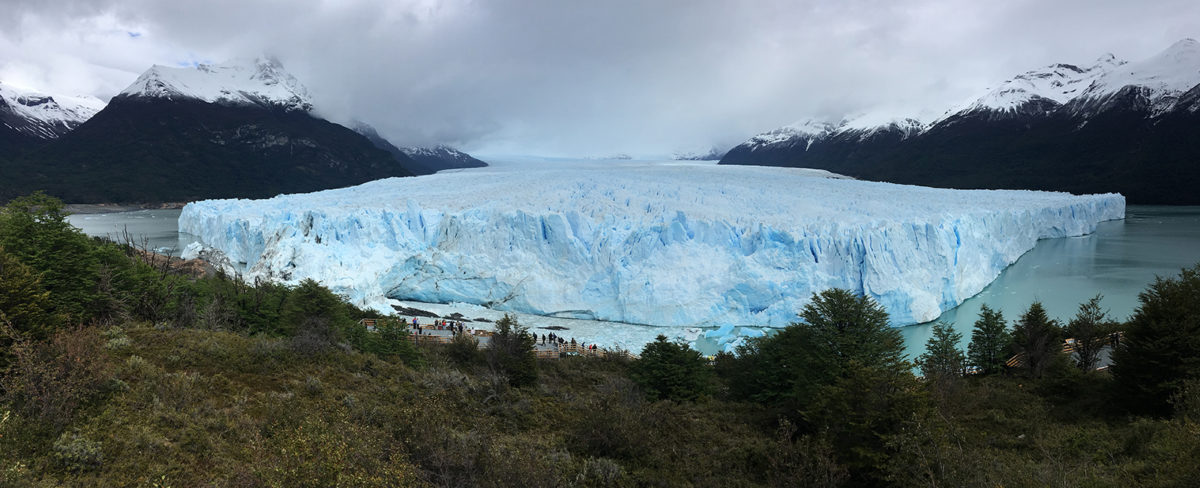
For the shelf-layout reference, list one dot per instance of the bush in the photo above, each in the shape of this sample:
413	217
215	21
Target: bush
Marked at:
77	453
510	352
34	230
313	336
50	380
464	350
671	371
1161	347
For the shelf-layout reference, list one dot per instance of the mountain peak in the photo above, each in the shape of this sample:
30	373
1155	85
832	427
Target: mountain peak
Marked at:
1051	85
1185	44
261	81
1161	78
43	115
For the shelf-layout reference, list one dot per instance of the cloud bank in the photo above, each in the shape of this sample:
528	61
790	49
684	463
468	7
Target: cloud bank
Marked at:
561	78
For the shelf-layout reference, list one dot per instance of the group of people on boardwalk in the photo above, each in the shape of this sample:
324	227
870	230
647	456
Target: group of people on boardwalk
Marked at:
549	343
455	327
553	339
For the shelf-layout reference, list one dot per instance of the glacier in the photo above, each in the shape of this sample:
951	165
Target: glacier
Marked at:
670	244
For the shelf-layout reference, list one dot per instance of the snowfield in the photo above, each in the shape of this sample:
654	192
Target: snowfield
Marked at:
672	244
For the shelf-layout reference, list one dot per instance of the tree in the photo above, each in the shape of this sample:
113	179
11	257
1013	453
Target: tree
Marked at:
24	307
308	301
1090	328
23	301
35	231
840	372
942	359
1038	337
989	347
671	371
510	352
849	328
1160	351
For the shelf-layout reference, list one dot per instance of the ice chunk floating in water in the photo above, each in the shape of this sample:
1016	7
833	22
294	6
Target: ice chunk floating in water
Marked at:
678	245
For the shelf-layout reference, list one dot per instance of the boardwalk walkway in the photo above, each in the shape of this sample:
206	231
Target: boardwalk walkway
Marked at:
434	333
1068	347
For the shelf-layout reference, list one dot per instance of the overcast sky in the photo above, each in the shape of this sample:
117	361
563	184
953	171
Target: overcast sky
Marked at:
590	78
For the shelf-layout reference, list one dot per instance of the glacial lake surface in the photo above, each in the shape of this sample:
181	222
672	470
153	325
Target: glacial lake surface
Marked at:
1118	261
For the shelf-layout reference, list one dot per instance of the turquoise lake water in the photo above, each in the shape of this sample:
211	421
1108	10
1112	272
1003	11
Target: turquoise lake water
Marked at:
1118	261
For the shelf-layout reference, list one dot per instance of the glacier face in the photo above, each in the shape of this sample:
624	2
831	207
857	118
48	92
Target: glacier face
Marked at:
675	244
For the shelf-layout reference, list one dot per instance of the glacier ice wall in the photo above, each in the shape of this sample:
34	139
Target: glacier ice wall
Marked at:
681	244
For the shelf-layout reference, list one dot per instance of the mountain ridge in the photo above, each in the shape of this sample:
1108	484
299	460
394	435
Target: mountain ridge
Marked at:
1040	130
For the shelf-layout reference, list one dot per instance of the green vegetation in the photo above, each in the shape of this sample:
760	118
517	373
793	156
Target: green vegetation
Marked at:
942	358
1038	338
1091	329
671	371
510	352
1161	348
990	341
157	377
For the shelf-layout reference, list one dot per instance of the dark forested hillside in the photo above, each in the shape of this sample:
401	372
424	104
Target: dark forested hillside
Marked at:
155	150
1150	161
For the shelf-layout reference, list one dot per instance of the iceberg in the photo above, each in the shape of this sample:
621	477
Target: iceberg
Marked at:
671	244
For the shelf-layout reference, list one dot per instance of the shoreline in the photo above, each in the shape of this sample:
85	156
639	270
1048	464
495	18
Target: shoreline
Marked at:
101	208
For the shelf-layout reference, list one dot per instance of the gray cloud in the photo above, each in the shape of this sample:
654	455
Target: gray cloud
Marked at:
585	78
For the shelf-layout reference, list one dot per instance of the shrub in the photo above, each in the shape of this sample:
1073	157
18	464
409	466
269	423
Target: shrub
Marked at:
671	371
1161	347
48	381
313	336
77	453
34	230
510	352
464	350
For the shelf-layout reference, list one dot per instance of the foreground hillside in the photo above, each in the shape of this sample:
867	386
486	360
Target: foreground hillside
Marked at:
187	380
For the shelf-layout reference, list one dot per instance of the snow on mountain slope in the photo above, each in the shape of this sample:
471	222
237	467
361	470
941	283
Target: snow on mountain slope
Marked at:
262	82
861	127
1160	79
438	151
1059	83
805	131
675	244
43	115
869	124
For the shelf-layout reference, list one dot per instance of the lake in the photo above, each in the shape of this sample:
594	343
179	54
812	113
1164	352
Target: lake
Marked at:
1118	261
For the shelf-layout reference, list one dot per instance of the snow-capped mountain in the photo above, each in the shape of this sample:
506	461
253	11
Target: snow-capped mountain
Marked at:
258	82
1157	84
38	115
804	133
869	125
424	160
1111	126
1037	91
239	129
711	154
442	156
